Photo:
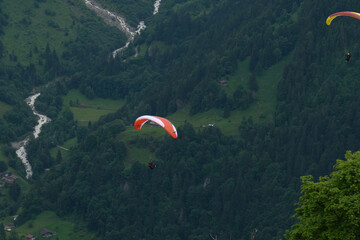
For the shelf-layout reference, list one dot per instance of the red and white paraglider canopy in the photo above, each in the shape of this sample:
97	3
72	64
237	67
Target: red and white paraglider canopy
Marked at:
163	122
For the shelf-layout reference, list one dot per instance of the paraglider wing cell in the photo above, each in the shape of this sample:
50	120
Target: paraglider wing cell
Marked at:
338	14
163	122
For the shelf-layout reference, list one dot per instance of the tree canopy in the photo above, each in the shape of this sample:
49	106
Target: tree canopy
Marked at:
330	208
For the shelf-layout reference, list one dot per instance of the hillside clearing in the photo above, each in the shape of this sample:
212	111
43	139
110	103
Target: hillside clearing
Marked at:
87	110
4	108
261	110
64	229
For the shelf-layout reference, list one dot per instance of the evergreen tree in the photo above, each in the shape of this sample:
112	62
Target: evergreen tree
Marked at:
58	157
2	232
1	49
253	85
3	166
14	191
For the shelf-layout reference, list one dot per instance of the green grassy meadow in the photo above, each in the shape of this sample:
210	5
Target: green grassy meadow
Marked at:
146	131
93	108
64	229
65	149
142	49
32	25
85	115
4	107
24	185
138	153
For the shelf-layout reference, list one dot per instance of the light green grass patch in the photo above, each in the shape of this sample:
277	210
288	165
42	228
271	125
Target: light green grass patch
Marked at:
145	132
85	115
85	109
268	82
198	120
70	143
64	229
138	153
65	149
4	108
33	27
24	185
157	46
142	49
239	78
202	120
77	98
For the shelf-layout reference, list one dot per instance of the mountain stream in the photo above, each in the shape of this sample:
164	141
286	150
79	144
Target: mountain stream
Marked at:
20	146
115	19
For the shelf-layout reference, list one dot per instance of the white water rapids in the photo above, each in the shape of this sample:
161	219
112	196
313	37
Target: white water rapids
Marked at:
156	6
115	19
21	151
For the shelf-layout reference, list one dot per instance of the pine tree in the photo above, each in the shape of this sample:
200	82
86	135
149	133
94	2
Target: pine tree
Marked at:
253	86
3	166
58	157
2	232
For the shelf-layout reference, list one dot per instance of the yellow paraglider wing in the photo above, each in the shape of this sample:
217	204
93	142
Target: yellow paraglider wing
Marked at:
338	14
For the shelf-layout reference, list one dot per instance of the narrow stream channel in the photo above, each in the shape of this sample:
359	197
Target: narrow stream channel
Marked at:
20	146
115	19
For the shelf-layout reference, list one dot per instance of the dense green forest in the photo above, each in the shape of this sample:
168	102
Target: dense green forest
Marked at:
206	182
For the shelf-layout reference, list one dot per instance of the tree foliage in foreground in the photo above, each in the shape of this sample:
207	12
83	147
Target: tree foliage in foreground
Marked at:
330	208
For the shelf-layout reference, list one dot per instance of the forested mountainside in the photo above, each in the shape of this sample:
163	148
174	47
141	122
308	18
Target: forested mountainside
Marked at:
207	182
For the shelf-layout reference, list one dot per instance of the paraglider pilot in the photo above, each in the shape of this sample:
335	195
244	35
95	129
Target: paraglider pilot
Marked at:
151	165
348	56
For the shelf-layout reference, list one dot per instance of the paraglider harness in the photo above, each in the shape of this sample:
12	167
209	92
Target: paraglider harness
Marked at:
348	56
151	165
